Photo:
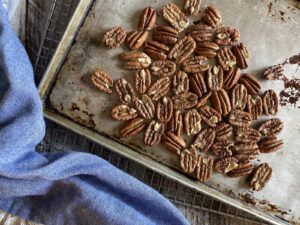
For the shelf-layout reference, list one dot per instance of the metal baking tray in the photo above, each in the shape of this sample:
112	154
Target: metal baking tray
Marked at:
81	109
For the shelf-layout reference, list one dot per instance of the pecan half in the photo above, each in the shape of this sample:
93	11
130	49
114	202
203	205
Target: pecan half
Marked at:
164	110
123	113
247	134
220	101
163	68
192	6
227	36
261	176
224	131
182	49
136	39
215	78
125	91
204	140
254	106
223	148
204	168
198	85
132	127
226	59
114	37
175	124
241	54
195	64
203	100
181	83
192	122
251	83
225	165
231	77
102	81
270	144
270	102
142	80
159	88
184	101
145	107
212	16
148	19
175	17
246	151
207	49
135	60
243	169
273	72
165	34
210	116
239	97
173	142
188	160
239	118
153	133
200	32
271	127
156	50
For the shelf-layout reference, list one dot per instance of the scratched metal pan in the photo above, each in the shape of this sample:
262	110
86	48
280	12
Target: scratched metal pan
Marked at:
271	31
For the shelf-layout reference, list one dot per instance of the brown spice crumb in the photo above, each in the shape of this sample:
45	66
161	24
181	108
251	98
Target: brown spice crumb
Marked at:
270	7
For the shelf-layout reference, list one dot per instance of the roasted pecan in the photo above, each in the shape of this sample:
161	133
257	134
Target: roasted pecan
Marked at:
223	148
135	60
226	165
203	100
239	118
145	107
270	102
251	83
192	122
181	83
192	6
243	169
175	17
270	144
123	113
163	68
204	168
239	97
261	176
210	116
207	49
156	50
125	91
254	106
148	19
226	59
165	34
175	124
136	39
273	72
224	131
164	109
188	160
153	133
114	37
247	134
102	81
142	80
159	88
212	16
132	127
185	101
197	83
173	142
182	49
241	54
215	78
227	36
220	101
204	139
200	32
271	127
195	64
231	77
246	151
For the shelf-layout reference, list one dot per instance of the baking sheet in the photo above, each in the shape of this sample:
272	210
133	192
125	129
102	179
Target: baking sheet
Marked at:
271	32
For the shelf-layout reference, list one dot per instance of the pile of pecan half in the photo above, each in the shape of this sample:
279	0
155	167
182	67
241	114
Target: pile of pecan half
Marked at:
191	96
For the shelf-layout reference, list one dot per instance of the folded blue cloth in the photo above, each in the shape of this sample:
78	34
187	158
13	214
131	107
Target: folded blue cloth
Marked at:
63	188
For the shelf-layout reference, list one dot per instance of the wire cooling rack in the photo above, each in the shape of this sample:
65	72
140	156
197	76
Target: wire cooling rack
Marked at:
197	207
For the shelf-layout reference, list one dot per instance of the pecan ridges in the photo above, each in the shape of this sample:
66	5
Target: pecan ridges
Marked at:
153	133
102	81
261	176
173	142
132	127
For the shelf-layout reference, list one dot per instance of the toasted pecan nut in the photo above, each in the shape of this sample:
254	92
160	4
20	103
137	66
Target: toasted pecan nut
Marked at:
123	113
204	140
164	110
125	91
212	16
175	124
203	100
273	72
227	36
133	127
270	144
247	134
224	131
163	68
175	17
246	151
159	88
254	106
114	37
136	39
239	97
145	107
182	49
239	118
184	101
173	142
188	160
156	50
251	83
181	83
102	81
165	34
241	54
223	148
215	78
147	19
225	165
210	116
192	122
142	81
198	85
226	59
204	168
243	169
220	102
153	133
271	127
192	7
261	176
207	49
231	77
200	33
135	60
270	102
195	64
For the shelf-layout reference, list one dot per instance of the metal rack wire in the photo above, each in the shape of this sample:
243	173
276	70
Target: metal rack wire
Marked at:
197	207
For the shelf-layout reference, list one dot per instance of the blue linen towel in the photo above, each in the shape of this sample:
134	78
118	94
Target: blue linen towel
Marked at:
62	188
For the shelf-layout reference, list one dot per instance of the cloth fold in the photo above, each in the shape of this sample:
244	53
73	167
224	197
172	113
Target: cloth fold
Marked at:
60	188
